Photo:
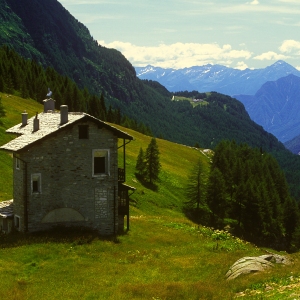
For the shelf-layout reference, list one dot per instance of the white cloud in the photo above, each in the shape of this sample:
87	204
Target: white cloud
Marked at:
290	46
270	55
241	65
255	2
178	55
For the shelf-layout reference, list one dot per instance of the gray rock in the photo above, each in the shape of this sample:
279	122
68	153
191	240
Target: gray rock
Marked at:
251	264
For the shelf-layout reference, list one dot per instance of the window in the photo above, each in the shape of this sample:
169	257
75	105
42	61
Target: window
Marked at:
100	162
17	222
18	163
83	131
36	183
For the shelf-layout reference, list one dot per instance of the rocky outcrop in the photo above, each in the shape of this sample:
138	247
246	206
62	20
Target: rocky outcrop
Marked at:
251	264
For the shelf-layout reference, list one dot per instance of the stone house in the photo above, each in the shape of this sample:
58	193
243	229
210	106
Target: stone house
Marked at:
66	172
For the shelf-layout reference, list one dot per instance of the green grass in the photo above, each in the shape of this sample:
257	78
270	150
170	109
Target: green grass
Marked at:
176	160
14	106
163	256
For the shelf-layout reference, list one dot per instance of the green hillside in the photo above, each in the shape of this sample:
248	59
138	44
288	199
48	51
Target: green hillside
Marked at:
163	256
14	106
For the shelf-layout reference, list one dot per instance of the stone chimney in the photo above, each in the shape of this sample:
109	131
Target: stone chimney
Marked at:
63	114
24	118
36	123
49	105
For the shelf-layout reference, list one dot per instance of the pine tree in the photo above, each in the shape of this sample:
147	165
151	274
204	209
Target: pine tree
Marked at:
195	190
153	165
110	116
216	196
103	115
141	164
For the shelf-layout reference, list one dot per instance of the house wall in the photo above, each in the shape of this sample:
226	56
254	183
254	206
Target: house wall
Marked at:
69	194
19	189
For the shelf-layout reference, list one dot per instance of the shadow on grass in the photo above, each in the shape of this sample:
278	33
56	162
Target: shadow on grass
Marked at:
68	235
199	217
148	185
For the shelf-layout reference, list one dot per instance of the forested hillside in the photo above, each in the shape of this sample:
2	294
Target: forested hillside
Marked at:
247	190
46	32
28	79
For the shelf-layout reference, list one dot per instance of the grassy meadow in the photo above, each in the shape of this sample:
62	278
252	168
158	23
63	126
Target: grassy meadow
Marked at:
163	256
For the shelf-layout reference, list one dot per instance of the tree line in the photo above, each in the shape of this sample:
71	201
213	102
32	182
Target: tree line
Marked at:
246	192
28	79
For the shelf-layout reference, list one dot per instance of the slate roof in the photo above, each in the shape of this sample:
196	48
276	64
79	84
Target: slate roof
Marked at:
7	208
49	123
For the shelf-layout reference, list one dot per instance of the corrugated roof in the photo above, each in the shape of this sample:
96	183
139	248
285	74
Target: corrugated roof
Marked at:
7	208
49	123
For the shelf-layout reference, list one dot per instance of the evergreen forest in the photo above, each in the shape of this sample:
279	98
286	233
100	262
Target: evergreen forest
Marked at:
247	193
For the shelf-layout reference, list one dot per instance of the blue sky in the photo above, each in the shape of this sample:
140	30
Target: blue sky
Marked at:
185	33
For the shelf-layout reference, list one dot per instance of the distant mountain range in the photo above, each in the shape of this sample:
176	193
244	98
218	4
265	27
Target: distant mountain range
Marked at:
217	78
271	95
276	106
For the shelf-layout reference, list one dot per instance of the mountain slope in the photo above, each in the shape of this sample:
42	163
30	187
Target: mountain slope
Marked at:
293	145
276	107
48	33
218	78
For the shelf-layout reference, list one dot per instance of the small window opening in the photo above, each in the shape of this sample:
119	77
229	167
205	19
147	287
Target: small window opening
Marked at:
18	163
101	162
83	131
35	186
36	183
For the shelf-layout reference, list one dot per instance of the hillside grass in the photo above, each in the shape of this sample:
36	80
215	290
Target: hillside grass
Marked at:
163	256
14	106
176	162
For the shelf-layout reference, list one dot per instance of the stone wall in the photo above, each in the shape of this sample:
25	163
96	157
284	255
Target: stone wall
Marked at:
64	163
19	192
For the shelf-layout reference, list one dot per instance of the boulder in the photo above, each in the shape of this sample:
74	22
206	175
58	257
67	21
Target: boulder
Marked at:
254	264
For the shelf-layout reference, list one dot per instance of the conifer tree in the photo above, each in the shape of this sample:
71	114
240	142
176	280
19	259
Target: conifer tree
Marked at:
140	163
194	191
153	165
110	116
103	115
216	196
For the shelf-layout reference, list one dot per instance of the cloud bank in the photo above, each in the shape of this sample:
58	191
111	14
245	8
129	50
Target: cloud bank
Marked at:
180	55
184	55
